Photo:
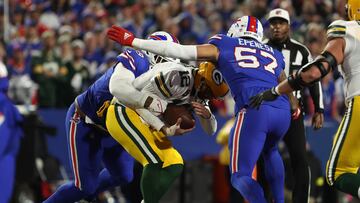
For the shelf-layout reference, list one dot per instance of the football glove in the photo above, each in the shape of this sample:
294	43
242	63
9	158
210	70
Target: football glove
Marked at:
120	35
268	95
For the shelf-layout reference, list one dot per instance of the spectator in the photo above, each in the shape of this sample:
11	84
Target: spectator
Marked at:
93	53
17	65
45	69
78	67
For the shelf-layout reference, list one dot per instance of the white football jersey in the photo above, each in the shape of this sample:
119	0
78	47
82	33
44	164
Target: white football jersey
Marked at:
350	70
170	81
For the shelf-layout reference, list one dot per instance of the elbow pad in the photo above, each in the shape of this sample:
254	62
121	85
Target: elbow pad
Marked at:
297	83
330	59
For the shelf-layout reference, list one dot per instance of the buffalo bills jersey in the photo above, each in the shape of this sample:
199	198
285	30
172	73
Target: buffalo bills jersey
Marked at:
249	67
92	99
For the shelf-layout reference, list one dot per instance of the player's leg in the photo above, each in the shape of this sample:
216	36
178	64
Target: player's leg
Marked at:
85	158
277	124
119	165
7	175
296	144
171	168
245	144
344	161
136	137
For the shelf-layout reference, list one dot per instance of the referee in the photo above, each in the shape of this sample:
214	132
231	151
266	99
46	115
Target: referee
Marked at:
296	55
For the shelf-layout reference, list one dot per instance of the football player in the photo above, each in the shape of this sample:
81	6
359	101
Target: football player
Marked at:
89	143
147	141
342	48
10	134
249	67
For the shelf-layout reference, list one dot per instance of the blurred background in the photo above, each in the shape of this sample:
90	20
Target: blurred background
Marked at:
54	49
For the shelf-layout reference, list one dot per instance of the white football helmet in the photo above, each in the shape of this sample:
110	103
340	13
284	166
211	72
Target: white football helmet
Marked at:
163	36
247	26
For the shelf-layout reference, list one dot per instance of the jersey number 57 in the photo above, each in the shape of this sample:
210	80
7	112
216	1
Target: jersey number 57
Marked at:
247	58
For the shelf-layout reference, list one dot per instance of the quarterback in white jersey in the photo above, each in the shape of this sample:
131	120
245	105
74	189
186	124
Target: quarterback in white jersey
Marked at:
342	48
169	82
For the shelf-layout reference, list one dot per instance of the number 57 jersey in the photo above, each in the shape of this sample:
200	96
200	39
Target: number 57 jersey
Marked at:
249	67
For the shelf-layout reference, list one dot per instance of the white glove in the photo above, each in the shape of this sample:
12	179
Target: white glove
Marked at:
157	106
176	129
172	130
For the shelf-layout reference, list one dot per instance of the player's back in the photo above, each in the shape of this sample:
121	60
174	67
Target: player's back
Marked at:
94	97
249	67
350	31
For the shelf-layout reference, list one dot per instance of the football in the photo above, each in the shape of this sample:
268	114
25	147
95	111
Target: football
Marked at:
173	112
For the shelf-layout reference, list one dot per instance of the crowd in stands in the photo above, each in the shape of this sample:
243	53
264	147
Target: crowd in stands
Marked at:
55	48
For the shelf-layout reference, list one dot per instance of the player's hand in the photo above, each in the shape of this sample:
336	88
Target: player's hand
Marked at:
120	35
317	120
201	110
295	113
175	129
268	95
156	105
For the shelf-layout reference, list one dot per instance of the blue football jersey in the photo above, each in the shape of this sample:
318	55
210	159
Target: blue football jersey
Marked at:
94	97
249	67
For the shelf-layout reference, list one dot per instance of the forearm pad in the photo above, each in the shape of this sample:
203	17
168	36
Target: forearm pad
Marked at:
297	83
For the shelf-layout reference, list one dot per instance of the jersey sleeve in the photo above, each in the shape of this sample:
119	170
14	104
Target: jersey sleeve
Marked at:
135	61
336	29
217	40
169	86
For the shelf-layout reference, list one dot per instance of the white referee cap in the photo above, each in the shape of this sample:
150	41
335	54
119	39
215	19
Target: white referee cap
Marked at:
279	13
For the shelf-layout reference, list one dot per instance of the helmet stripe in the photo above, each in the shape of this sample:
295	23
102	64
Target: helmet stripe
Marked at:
252	24
174	38
158	37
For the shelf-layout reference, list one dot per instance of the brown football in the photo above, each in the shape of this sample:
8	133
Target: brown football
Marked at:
173	112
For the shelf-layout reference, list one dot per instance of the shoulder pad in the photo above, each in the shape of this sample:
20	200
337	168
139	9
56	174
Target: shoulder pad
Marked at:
336	29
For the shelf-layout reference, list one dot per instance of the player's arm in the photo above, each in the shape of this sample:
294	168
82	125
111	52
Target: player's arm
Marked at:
120	86
332	55
207	119
165	48
309	74
157	124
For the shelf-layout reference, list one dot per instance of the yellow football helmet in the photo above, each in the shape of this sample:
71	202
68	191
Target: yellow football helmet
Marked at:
353	9
209	75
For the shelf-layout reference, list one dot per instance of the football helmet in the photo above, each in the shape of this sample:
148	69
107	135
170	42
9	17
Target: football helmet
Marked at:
353	9
162	36
208	74
247	26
